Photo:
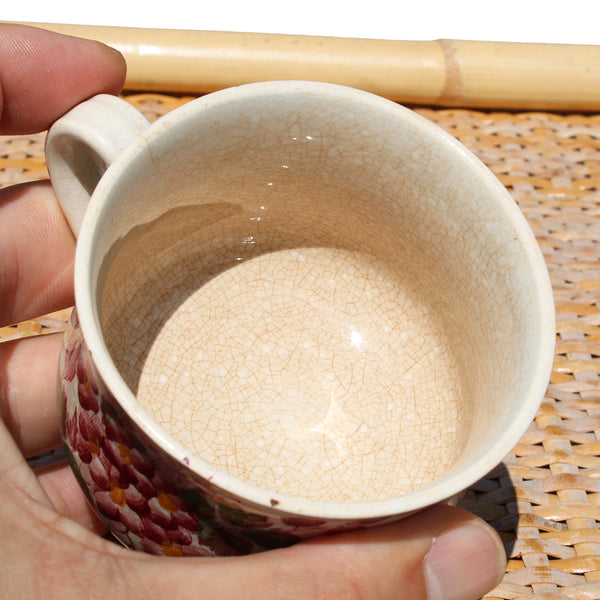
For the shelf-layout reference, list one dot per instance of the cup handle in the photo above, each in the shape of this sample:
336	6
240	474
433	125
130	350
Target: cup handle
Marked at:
81	145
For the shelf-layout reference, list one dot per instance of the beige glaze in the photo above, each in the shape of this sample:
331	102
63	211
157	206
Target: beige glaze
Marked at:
296	281
307	369
282	213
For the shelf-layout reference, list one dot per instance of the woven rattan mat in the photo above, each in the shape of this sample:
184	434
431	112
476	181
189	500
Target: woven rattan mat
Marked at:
544	498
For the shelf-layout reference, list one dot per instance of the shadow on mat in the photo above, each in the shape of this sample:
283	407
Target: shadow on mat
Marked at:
494	499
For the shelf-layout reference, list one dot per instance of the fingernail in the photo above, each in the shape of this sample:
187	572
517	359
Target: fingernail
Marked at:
464	563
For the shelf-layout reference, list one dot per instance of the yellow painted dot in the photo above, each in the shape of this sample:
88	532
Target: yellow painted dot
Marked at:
117	494
166	502
171	549
93	441
124	453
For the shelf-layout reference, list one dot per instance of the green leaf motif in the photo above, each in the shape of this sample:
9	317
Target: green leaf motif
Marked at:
266	538
200	505
239	518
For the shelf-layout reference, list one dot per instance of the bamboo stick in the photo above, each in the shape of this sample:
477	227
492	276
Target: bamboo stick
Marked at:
450	73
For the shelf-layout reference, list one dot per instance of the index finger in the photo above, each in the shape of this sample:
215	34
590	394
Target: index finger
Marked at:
44	74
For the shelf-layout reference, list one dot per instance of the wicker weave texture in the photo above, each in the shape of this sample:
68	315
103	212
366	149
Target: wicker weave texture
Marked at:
544	498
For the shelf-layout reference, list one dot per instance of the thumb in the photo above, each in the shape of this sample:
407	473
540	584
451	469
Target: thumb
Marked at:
442	553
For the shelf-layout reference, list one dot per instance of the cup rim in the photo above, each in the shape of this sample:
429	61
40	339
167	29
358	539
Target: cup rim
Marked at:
437	491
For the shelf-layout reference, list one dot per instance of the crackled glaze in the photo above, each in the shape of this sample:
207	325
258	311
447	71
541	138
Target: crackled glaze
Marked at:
306	355
301	301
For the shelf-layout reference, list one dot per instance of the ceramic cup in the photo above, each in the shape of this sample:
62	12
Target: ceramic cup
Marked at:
300	308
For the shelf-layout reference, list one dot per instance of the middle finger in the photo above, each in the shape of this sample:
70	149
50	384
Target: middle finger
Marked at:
36	253
28	392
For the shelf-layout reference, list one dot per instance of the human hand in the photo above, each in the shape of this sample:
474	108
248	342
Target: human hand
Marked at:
51	540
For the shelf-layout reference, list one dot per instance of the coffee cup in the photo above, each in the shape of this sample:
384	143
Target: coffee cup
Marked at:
300	308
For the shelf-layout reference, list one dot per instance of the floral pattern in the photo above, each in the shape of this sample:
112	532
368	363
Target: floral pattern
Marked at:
150	501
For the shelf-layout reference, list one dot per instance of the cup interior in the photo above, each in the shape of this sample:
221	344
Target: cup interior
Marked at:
320	294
